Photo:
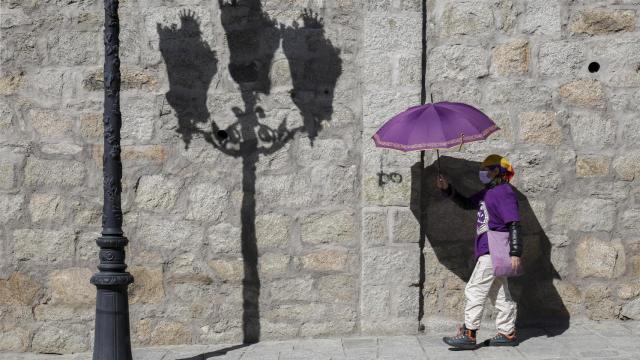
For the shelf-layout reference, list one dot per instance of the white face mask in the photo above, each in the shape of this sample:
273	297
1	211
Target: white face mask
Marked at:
484	177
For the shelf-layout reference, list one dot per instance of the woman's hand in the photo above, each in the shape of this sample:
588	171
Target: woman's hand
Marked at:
442	183
516	263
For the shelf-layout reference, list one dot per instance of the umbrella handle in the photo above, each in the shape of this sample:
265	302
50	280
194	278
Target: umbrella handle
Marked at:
461	141
438	161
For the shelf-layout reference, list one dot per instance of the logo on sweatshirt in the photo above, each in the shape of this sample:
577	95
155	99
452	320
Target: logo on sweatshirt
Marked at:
483	219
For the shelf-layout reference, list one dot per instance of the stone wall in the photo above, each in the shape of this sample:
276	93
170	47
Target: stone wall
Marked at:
276	204
254	199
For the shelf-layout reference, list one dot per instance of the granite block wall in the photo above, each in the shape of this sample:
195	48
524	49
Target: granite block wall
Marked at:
255	202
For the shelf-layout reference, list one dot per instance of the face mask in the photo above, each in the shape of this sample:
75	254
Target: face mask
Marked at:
484	177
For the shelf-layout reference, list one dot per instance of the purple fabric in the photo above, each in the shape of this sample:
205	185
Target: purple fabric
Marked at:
434	126
498	242
497	206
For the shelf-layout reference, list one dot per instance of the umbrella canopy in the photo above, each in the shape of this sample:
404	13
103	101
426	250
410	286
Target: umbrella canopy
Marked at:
434	126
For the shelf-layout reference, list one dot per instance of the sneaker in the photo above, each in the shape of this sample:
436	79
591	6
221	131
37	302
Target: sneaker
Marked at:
464	339
504	340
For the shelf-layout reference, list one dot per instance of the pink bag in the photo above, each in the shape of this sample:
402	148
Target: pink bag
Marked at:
500	258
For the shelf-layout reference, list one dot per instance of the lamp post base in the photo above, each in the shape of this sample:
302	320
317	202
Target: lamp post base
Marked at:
112	338
112	335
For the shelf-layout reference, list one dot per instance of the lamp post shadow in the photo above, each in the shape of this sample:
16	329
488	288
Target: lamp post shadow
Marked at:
253	38
449	233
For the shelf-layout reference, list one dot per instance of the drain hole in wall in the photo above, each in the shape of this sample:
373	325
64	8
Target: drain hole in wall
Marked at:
222	134
594	67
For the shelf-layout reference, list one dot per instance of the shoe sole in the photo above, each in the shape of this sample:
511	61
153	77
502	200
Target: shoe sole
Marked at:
463	347
504	344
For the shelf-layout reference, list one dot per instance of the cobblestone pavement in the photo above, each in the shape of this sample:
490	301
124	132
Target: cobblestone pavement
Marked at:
596	340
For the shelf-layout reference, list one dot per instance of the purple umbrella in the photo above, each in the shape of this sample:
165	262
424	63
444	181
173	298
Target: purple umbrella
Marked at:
434	126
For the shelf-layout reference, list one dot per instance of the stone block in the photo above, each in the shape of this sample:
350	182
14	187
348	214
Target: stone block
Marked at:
560	59
169	235
405	227
541	17
10	83
598	258
138	122
629	290
631	309
622	71
273	264
592	166
19	289
50	124
409	71
7	116
132	78
384	31
506	15
396	193
598	302
61	313
374	226
585	214
153	332
188	270
592	130
10	207
457	62
272	230
338	288
91	128
334	184
583	92
600	21
464	91
62	173
523	94
48	247
15	340
291	290
228	270
629	222
511	58
375	302
52	207
328	227
380	68
627	165
540	128
224	238
466	18
61	148
390	265
71	286
207	202
328	328
326	260
142	153
157	192
148	285
405	301
61	339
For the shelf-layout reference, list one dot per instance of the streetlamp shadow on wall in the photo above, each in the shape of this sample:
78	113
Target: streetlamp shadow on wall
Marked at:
253	38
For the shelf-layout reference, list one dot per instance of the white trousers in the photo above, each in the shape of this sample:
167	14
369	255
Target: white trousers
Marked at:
483	285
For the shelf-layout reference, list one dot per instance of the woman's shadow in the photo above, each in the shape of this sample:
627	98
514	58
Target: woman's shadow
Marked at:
449	232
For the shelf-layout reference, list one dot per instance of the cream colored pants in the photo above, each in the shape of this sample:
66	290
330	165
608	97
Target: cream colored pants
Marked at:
483	285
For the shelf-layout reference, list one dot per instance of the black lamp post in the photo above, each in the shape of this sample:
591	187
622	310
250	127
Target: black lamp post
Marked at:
112	338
